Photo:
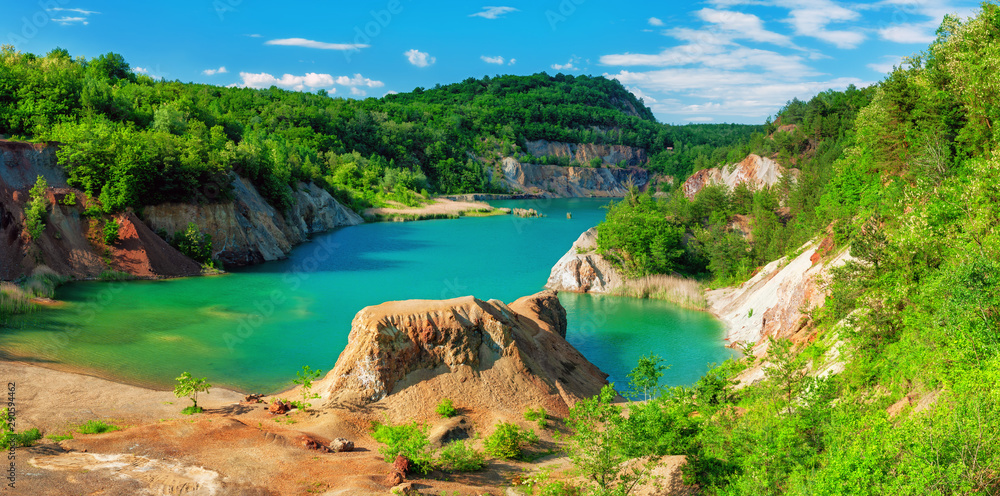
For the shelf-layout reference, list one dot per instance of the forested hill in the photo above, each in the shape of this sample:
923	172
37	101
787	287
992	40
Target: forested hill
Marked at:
131	141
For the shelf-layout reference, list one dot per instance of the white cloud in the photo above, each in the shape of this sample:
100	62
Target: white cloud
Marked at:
212	72
302	42
391	92
512	62
653	21
749	95
909	33
359	80
252	35
493	12
309	80
141	70
813	22
418	58
568	66
66	21
492	60
358	91
716	57
812	18
737	25
78	11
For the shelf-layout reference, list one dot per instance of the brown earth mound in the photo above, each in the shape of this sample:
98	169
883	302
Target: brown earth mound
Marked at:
487	356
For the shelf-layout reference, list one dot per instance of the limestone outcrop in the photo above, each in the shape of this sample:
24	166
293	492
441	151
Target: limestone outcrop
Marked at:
249	230
571	182
583	153
774	302
583	270
755	171
486	355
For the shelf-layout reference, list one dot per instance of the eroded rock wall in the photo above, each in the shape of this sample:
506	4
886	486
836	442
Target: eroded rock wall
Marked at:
572	182
407	355
583	270
249	230
755	171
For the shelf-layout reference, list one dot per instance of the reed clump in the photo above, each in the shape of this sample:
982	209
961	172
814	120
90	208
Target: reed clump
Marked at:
681	291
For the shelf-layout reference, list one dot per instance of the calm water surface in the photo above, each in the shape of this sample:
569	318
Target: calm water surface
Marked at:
253	328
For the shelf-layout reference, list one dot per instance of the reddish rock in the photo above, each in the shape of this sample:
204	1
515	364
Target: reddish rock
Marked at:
401	464
253	398
309	442
394	478
279	407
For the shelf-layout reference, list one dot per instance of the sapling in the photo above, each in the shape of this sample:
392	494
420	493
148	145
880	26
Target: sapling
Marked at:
190	387
305	378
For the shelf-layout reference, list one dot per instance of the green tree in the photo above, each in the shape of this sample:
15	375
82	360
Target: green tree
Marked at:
305	378
190	387
37	208
645	377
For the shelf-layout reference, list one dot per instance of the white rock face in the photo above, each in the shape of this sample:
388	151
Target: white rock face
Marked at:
582	270
248	230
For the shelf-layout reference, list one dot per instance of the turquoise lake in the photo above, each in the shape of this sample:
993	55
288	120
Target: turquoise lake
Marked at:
253	328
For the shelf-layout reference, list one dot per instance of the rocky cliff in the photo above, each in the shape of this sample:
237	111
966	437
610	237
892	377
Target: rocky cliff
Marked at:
485	355
572	182
71	243
775	302
582	270
249	230
755	171
585	152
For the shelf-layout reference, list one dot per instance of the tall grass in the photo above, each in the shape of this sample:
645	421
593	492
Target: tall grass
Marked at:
13	301
687	293
43	282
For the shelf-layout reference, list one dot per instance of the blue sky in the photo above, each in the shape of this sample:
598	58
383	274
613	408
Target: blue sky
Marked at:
712	61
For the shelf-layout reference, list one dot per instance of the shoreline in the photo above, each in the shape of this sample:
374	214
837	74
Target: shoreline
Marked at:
439	208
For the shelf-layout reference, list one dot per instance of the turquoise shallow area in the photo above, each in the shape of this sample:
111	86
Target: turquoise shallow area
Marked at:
253	328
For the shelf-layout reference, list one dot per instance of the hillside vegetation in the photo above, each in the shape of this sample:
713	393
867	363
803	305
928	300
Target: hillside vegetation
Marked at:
913	190
131	141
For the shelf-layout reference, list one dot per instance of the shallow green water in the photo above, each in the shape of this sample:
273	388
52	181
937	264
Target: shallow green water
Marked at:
252	329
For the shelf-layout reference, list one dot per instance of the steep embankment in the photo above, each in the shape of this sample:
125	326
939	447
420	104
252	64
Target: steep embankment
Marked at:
405	356
754	171
244	231
775	303
608	180
249	230
583	270
71	243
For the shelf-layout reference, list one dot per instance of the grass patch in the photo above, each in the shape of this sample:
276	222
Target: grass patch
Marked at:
116	275
191	410
96	427
483	212
58	437
13	301
684	292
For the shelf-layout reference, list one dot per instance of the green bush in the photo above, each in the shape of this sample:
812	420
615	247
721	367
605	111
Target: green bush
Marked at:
460	456
69	199
96	427
193	243
111	232
28	437
508	441
446	408
36	209
409	440
540	416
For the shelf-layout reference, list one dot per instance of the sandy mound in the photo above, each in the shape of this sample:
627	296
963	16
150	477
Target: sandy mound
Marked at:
486	356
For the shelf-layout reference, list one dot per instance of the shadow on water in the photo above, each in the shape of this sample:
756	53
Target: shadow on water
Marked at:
363	248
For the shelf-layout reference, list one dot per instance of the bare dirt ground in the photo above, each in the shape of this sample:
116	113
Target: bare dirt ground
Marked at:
440	206
237	447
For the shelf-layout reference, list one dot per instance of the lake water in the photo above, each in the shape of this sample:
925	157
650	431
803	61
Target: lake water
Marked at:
252	329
